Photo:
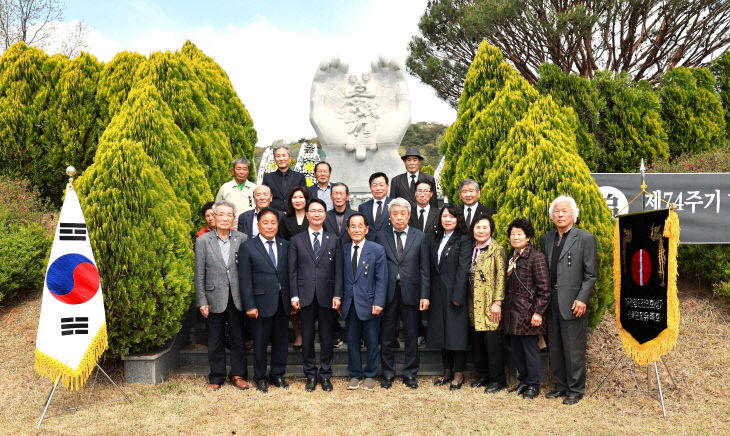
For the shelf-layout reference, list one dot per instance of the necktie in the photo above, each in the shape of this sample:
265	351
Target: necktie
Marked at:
420	220
399	243
468	216
315	245
354	260
271	252
379	212
413	182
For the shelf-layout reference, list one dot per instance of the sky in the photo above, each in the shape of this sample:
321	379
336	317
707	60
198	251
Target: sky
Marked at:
269	49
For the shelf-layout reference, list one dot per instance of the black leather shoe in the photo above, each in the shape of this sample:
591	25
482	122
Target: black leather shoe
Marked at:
555	394
442	381
326	384
530	393
311	384
386	383
456	385
279	382
410	382
480	382
262	387
494	387
519	389
572	399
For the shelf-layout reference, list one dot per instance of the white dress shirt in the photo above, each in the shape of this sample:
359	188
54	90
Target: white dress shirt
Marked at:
266	246
444	241
425	214
359	250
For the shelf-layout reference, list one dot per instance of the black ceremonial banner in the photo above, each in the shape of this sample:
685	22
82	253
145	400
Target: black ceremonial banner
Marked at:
645	271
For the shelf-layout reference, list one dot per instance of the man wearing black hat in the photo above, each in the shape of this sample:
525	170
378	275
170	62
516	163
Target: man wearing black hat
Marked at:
404	185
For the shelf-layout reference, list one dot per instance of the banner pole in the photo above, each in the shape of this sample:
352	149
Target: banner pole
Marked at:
598	388
48	402
661	394
113	382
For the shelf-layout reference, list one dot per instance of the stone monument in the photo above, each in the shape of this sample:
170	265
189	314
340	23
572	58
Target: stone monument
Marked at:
360	119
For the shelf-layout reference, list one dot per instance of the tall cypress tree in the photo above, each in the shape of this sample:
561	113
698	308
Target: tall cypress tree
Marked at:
140	237
115	81
721	69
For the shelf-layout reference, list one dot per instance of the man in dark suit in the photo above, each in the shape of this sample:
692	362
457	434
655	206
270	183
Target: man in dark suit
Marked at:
376	209
336	219
218	297
365	290
404	185
323	188
469	192
423	216
315	282
572	260
248	221
283	179
264	282
407	251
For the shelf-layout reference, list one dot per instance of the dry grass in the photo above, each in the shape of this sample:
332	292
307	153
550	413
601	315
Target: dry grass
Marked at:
698	405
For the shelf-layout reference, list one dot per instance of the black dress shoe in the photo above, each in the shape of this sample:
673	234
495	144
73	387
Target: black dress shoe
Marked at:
519	389
297	347
311	384
572	399
456	385
386	383
530	393
279	382
262	387
555	394
442	380
410	382
494	387
326	384
480	382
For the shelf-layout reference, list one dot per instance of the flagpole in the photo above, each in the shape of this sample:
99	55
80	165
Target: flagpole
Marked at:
48	402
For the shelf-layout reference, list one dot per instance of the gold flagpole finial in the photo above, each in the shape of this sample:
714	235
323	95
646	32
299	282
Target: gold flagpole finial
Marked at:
71	172
642	168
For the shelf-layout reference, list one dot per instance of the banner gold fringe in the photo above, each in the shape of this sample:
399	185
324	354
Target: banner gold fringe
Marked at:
650	351
73	379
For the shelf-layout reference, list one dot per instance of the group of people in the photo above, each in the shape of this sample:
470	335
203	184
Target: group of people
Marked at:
303	252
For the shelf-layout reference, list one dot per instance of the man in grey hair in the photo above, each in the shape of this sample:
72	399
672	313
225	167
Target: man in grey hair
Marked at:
283	179
238	191
469	192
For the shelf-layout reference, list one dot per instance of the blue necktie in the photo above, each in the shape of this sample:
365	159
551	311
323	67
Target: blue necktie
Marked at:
316	245
271	252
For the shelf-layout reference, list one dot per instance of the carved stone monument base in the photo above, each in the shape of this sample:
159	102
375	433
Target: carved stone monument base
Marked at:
355	173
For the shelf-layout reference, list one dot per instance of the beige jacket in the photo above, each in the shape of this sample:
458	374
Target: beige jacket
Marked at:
489	286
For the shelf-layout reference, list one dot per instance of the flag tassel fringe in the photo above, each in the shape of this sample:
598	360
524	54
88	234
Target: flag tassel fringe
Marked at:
73	379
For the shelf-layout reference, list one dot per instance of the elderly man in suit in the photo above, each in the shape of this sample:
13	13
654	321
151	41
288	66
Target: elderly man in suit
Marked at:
404	185
218	297
248	221
336	219
423	216
264	282
409	286
323	188
572	260
283	179
315	283
365	281
376	209
469	192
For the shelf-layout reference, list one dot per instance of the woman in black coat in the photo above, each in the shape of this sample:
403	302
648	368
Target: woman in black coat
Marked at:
295	219
448	318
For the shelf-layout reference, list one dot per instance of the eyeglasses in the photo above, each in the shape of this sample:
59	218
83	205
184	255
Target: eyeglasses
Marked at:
423	191
224	215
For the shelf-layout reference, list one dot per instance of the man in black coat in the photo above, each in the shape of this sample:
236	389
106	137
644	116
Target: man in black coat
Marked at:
404	185
283	179
424	217
315	282
336	219
469	192
264	283
376	209
407	252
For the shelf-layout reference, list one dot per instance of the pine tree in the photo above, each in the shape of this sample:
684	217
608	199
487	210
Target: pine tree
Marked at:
538	162
141	241
691	111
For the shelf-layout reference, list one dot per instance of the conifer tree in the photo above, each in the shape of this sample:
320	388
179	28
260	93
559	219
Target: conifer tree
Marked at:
115	81
721	69
140	237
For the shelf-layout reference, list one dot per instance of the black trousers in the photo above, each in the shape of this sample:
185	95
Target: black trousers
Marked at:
411	317
326	316
526	354
453	360
486	352
216	343
567	350
274	330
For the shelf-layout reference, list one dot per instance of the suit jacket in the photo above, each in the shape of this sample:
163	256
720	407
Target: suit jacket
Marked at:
413	267
400	186
330	224
431	221
368	287
527	293
480	210
368	209
245	222
213	279
262	284
310	277
280	196
288	226
577	267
